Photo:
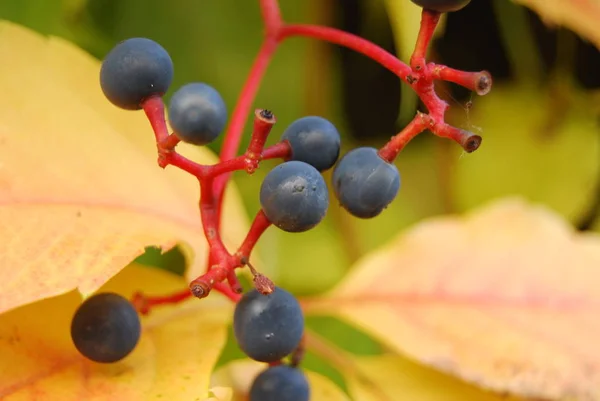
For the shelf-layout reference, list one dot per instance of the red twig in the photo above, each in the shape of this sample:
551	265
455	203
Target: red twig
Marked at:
240	113
391	149
351	41
429	21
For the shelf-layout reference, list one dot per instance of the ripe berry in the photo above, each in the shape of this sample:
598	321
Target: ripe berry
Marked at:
442	6
268	327
280	383
135	70
197	113
364	183
294	196
105	328
314	140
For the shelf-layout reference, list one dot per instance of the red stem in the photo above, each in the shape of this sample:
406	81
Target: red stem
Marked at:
390	151
241	111
351	41
429	21
280	150
263	122
479	82
259	226
271	16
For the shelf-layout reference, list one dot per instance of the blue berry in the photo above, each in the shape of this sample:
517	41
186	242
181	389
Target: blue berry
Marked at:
197	113
294	196
314	140
442	6
280	383
268	327
105	328
135	70
364	183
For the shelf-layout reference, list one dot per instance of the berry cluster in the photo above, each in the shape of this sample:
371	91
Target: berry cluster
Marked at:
268	321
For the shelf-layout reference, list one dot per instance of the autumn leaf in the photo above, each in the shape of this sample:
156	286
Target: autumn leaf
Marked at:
240	374
80	192
581	16
507	297
177	351
384	377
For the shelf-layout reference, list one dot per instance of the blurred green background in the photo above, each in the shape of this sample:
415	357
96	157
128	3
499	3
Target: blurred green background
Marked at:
540	123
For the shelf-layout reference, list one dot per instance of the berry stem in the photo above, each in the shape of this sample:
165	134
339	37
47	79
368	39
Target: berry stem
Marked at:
258	227
479	82
429	21
154	107
271	15
144	303
390	151
280	150
263	122
350	41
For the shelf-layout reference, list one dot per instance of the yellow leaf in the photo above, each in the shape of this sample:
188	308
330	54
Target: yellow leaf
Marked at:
581	16
240	374
177	351
80	192
507	297
390	375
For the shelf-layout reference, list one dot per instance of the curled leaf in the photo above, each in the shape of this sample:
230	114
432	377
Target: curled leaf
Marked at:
506	298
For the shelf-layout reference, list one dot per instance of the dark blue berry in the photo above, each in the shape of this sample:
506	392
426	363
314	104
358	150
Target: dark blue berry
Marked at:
268	327
294	196
314	140
197	113
280	383
442	6
364	183
105	328
135	70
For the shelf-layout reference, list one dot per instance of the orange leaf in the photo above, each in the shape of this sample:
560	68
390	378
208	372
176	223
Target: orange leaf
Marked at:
507	298
173	360
581	16
80	192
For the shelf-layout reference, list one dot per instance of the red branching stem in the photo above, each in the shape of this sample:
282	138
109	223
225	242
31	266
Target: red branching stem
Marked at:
258	227
241	111
350	41
390	151
468	140
213	178
144	303
175	159
280	150
429	21
263	122
479	82
208	214
271	16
